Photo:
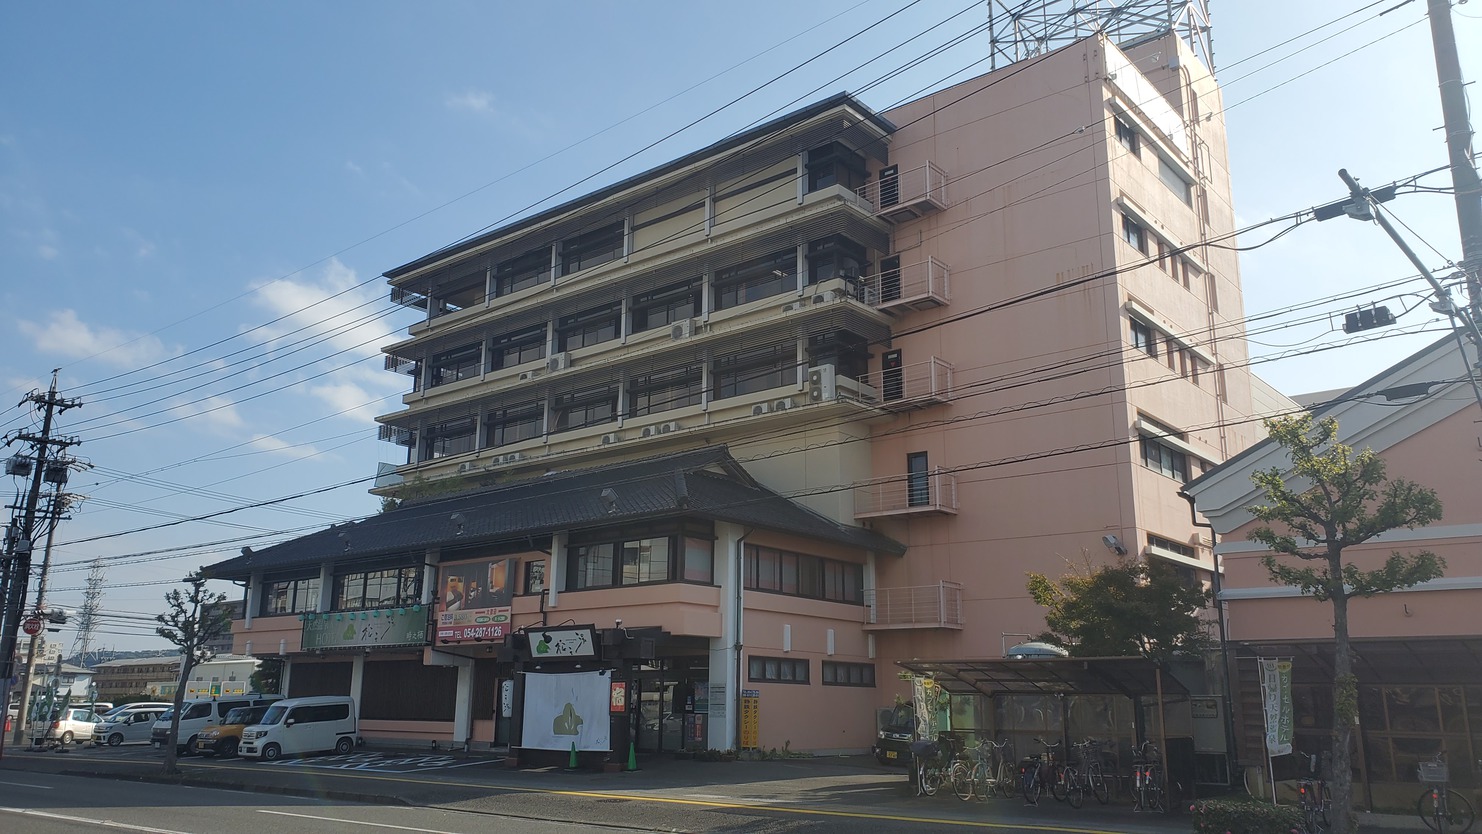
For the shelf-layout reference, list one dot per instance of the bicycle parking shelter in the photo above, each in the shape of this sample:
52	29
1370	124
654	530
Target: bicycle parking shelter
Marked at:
1144	683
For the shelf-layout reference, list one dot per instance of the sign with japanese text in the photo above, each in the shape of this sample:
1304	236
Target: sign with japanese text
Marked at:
474	598
381	628
1276	700
565	643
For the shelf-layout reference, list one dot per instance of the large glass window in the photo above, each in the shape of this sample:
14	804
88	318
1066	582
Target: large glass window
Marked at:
519	347
378	588
1144	338
290	596
835	164
523	271
647	555
463	362
515	423
1175	181
777	669
585	407
761	278
801	575
1165	459
758	369
1127	136
836	673
666	305
835	257
459	295
1135	235
645	560
592	248
589	327
665	390
451	438
848	352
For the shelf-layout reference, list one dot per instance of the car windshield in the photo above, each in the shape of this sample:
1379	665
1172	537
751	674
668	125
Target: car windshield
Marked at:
274	715
244	715
166	715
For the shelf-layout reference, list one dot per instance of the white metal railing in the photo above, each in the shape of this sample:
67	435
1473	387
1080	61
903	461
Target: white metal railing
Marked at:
924	283
920	383
920	606
933	491
925	183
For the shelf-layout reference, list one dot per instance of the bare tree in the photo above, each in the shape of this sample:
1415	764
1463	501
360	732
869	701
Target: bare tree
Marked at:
192	620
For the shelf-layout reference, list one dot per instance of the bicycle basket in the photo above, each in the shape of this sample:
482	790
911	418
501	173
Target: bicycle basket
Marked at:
1434	773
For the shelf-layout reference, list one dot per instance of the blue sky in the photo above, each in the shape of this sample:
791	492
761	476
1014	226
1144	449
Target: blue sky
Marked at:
180	182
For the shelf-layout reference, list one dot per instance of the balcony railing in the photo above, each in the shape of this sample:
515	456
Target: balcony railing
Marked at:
911	386
920	493
914	286
902	195
921	606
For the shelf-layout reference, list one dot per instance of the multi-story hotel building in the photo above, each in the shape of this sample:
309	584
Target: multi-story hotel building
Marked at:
776	414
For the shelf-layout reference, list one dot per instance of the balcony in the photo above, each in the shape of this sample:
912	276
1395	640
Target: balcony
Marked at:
911	386
915	286
905	195
921	606
924	493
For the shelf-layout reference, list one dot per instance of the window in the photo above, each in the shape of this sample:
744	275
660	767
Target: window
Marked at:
523	271
644	561
836	673
1172	546
835	257
290	596
519	347
835	164
777	670
918	480
451	438
1175	181
1144	338
699	560
592	248
463	362
514	423
763	277
586	407
801	575
535	577
589	327
1165	459
1135	235
1127	135
641	555
665	390
758	369
378	588
848	352
666	305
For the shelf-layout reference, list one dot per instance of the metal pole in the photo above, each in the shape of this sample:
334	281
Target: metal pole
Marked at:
1464	179
53	516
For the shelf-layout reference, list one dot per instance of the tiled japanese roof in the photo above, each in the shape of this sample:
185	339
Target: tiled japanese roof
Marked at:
705	483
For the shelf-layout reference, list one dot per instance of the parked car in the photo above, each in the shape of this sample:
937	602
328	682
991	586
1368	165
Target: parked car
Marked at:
126	727
302	725
137	705
195	715
223	738
65	726
894	737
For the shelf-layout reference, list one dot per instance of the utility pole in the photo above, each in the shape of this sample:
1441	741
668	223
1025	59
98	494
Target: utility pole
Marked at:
56	506
1464	181
18	547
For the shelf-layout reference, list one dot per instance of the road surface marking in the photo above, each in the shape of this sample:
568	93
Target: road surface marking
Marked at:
24	785
353	822
105	823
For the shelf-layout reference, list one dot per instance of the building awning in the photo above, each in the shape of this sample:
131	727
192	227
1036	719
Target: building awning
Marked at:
1400	660
1130	676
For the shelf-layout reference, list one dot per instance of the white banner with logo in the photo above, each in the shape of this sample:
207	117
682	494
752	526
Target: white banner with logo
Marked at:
567	709
1276	702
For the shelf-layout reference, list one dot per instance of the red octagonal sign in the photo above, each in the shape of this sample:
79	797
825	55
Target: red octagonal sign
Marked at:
32	626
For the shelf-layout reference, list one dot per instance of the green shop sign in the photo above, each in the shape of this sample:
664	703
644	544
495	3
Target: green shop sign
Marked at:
381	628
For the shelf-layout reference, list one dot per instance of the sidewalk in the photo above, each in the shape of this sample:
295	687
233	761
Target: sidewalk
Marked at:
848	786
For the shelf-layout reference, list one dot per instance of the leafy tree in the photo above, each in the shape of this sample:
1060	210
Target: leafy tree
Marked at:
192	620
1330	500
1128	608
268	677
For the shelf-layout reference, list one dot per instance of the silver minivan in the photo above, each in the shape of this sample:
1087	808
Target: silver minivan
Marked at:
296	726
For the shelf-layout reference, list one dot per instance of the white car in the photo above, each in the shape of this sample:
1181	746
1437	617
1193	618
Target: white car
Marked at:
126	727
65	726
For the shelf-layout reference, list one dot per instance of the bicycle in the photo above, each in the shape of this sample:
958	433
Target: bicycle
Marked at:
1314	798
980	771
1442	809
1092	774
1147	780
932	764
1038	770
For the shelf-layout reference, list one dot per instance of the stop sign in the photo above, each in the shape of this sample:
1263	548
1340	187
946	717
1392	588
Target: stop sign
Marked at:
32	626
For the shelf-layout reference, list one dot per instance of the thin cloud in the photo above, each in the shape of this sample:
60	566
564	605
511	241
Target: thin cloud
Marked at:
471	101
64	334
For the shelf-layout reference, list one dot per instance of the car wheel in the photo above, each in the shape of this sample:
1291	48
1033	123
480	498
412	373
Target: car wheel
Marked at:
67	737
271	752
227	748
188	748
115	740
344	746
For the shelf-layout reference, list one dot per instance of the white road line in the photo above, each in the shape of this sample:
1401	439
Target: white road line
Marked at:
24	785
105	823
354	822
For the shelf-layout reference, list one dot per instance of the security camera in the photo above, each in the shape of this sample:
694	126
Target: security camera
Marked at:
1114	544
618	623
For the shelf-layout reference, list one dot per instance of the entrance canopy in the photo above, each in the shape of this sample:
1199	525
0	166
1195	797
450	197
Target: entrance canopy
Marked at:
1129	676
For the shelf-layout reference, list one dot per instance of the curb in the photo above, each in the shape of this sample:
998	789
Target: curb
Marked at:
198	782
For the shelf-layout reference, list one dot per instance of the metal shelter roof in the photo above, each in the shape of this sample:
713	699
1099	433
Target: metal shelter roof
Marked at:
1129	676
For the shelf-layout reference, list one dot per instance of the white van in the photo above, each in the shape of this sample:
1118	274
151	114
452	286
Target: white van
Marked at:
302	725
195	715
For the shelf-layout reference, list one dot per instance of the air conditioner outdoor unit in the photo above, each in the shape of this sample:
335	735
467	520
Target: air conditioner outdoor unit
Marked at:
682	329
665	428
611	437
819	299
822	384
794	306
760	408
526	376
558	362
782	405
509	458
465	468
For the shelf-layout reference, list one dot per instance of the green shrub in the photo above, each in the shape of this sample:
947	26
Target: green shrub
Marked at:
1242	815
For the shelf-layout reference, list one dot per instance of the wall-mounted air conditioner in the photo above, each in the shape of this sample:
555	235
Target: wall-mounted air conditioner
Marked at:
611	437
558	361
794	306
467	467
822	384
682	329
761	408
503	459
782	405
665	428
526	376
